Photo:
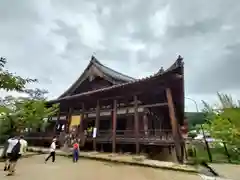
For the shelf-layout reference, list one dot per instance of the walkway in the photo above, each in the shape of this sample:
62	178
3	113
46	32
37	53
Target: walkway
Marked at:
231	171
34	168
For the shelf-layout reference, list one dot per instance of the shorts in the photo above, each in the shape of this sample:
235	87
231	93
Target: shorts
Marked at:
7	156
13	157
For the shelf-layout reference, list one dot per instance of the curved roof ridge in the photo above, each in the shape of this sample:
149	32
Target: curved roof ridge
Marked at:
108	71
176	65
97	62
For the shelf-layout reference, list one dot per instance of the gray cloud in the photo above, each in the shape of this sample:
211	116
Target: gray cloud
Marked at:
53	40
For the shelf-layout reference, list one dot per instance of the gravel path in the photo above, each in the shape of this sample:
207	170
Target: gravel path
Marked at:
34	168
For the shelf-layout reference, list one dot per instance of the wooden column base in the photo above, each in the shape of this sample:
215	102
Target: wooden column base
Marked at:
94	145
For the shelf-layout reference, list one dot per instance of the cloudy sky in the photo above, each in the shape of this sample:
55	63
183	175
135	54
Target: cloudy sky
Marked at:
53	40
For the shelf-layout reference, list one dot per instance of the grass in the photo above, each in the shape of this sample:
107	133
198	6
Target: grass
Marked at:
218	156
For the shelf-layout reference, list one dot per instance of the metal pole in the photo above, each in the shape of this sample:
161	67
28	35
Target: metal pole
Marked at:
193	102
207	146
204	137
227	153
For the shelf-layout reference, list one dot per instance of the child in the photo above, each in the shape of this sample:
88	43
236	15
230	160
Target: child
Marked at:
75	151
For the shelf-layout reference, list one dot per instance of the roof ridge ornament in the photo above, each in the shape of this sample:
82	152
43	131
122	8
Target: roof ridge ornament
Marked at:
179	61
93	58
161	71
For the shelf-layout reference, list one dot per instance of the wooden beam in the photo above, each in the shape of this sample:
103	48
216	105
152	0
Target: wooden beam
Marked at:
125	107
96	125
174	124
124	94
114	126
153	105
136	124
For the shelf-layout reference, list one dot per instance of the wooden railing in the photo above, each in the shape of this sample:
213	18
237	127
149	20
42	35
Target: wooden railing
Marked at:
149	135
39	135
157	134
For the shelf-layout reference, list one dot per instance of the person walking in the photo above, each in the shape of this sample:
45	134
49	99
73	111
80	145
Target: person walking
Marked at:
10	144
13	151
23	148
52	151
76	151
20	149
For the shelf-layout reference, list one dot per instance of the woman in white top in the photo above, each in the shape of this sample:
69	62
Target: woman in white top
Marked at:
52	151
11	143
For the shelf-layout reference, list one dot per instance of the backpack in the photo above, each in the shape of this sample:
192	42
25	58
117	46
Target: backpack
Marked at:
16	148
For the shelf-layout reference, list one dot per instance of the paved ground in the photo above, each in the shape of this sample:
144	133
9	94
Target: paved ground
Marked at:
34	168
1	150
231	171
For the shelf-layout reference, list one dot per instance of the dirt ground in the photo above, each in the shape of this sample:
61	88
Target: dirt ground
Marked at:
63	168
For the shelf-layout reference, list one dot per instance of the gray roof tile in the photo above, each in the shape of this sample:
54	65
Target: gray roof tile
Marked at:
112	73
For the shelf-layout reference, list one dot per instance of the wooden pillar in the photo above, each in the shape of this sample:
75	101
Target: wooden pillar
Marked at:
174	124
96	125
81	129
57	122
145	124
69	115
129	120
136	124
114	126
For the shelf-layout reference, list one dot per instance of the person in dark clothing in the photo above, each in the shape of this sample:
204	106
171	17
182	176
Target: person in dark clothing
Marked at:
13	150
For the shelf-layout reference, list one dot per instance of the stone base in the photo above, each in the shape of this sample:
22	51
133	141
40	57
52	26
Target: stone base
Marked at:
165	154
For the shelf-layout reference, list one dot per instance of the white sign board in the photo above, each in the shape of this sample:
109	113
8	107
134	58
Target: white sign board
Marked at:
94	132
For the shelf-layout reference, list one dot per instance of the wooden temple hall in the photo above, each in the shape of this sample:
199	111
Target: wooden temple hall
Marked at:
124	114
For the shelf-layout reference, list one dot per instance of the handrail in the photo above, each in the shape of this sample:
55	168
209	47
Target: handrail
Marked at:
157	131
142	134
148	135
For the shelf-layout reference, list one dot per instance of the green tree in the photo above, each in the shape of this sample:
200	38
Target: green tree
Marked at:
11	82
36	94
16	114
194	118
223	122
21	113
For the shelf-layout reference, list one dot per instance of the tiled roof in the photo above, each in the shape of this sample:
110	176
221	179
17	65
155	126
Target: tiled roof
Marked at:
118	77
178	63
112	73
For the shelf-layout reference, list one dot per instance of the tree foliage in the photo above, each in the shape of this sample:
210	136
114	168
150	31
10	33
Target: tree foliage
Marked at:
195	118
10	81
17	114
21	113
223	123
